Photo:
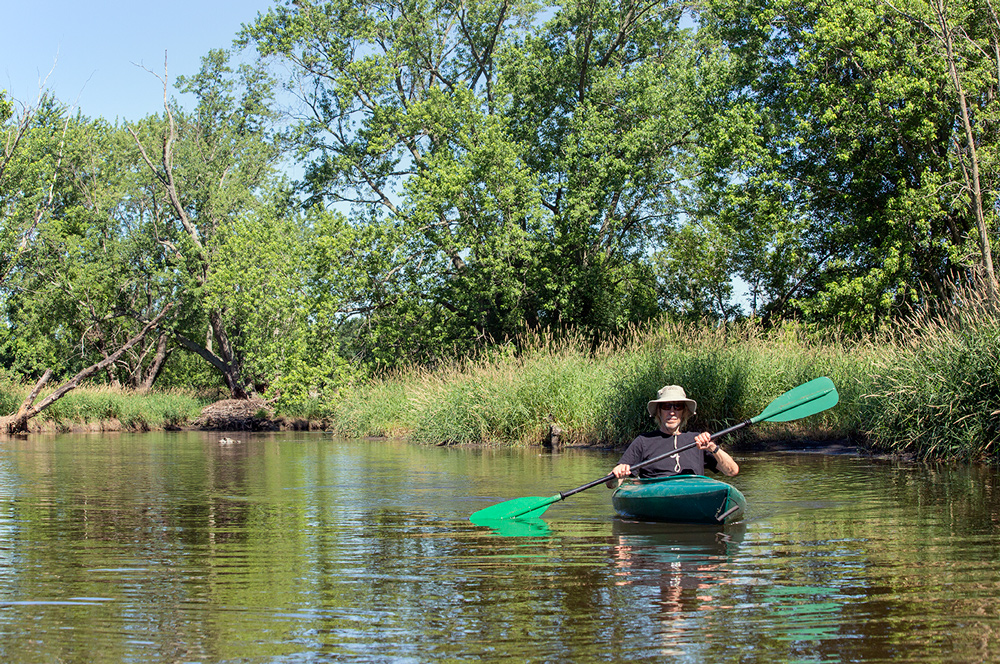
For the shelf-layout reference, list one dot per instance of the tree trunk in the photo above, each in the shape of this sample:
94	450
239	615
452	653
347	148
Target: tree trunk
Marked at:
973	180
226	360
159	361
225	364
233	374
18	422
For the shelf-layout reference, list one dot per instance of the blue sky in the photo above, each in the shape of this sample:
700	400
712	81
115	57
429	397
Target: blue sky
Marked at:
93	53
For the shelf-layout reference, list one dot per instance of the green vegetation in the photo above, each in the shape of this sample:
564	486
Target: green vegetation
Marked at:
932	392
533	187
935	390
101	406
598	397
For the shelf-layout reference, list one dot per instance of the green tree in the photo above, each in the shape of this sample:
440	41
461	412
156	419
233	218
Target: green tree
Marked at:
845	196
610	101
269	274
85	284
208	169
31	150
966	35
496	172
58	238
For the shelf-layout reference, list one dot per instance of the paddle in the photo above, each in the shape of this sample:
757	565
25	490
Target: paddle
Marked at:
802	401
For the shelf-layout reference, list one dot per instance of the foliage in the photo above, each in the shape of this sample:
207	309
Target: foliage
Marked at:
83	282
207	169
504	173
266	279
184	208
851	194
496	193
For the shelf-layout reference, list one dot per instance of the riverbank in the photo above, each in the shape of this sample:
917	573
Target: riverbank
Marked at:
927	392
125	411
182	411
234	425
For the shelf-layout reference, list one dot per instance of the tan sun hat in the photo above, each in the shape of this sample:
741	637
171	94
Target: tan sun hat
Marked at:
671	394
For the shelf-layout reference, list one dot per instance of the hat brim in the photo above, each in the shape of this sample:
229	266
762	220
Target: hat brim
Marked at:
692	405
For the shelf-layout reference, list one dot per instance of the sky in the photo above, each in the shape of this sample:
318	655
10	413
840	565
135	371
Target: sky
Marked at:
95	55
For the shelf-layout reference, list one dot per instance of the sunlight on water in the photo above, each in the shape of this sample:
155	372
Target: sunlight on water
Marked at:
296	547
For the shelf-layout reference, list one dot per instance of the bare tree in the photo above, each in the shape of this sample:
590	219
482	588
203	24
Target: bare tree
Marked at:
18	422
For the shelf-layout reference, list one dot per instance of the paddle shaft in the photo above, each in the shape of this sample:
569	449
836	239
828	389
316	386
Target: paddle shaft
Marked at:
611	476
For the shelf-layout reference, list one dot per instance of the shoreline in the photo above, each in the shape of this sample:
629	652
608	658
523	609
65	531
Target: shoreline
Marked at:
256	415
784	445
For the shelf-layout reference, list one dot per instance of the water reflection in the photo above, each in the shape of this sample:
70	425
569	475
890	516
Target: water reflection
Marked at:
521	527
682	564
170	547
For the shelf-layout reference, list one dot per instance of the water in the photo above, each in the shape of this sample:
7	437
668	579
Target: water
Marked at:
298	548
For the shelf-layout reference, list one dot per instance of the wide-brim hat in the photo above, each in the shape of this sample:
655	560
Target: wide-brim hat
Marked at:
671	394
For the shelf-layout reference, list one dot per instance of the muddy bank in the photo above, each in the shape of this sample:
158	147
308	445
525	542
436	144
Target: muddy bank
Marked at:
249	415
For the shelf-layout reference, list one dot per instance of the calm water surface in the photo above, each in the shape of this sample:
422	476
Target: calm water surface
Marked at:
301	548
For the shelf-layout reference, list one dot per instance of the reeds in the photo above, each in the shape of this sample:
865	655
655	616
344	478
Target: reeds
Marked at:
596	396
935	387
109	407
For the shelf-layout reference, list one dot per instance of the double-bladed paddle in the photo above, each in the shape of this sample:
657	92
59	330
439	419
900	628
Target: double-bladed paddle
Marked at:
802	401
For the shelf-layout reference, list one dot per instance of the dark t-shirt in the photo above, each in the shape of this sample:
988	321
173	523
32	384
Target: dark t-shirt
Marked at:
654	443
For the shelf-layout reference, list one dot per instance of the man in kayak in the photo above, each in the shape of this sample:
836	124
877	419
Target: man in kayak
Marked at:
672	409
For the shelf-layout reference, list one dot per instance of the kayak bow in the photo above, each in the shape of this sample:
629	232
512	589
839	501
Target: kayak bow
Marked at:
679	499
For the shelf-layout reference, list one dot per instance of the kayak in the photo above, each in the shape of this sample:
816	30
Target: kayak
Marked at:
679	499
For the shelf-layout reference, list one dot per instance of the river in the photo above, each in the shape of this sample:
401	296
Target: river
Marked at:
295	547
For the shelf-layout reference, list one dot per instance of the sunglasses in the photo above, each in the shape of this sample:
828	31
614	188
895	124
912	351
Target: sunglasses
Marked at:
673	406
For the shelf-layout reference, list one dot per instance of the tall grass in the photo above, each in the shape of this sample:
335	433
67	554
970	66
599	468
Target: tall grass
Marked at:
935	387
101	405
598	396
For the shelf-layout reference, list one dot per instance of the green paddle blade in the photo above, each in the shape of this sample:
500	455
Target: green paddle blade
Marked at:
528	506
802	401
517	527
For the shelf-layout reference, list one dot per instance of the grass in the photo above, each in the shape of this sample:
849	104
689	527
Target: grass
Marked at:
598	397
102	404
935	387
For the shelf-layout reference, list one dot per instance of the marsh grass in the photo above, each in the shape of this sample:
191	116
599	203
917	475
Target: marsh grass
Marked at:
935	386
371	408
597	396
101	405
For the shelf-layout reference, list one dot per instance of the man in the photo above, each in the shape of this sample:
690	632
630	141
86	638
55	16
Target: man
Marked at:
672	409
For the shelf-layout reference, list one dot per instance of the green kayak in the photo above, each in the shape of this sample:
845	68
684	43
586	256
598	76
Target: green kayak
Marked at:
679	499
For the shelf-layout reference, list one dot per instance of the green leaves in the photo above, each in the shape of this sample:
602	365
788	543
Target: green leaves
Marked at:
851	195
526	169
